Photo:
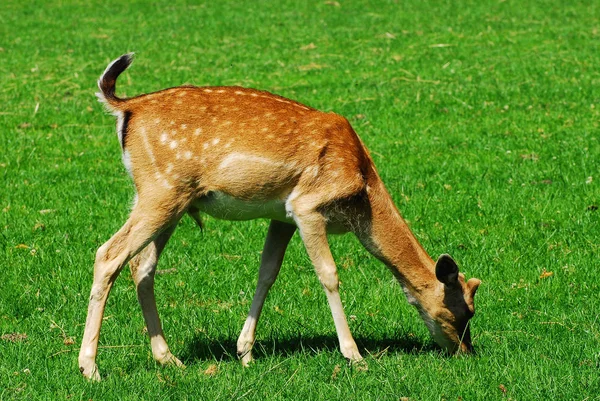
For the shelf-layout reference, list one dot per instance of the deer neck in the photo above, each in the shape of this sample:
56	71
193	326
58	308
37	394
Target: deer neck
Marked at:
389	238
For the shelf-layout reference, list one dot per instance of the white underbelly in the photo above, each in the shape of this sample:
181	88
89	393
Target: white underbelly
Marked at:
223	206
226	207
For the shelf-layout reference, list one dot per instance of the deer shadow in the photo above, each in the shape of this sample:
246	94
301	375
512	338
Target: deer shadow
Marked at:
202	348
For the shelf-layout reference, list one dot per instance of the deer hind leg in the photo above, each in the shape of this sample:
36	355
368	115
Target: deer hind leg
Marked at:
313	230
278	238
143	268
145	223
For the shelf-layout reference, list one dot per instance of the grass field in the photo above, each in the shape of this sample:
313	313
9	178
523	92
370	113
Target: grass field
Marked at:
482	117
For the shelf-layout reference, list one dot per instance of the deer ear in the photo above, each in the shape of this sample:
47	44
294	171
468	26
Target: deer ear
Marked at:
446	270
472	285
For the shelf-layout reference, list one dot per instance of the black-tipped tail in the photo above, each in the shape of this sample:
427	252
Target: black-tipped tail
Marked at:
108	80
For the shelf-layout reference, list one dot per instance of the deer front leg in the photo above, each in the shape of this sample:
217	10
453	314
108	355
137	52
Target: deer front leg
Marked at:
313	230
143	268
278	238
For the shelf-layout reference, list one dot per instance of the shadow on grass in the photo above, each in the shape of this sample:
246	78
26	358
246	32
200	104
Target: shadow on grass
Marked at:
203	348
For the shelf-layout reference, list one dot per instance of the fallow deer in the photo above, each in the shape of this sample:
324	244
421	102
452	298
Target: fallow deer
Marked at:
240	154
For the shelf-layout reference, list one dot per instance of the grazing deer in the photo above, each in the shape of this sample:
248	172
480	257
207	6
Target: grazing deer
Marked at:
241	154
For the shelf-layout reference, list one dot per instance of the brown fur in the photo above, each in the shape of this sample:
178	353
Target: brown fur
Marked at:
240	153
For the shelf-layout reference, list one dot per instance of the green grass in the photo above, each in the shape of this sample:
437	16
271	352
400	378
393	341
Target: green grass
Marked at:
483	119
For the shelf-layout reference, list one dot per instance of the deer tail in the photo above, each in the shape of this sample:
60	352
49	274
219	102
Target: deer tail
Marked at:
108	80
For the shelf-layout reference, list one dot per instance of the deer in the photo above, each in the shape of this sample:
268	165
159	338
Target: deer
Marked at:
240	154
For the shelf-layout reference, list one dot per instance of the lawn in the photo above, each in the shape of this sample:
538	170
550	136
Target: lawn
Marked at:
482	117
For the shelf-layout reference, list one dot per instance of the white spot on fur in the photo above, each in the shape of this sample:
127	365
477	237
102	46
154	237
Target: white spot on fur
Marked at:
236	157
208	90
152	159
148	147
205	145
239	92
197	131
187	154
264	129
169	168
156	120
163	138
312	170
172	122
215	141
173	144
221	91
